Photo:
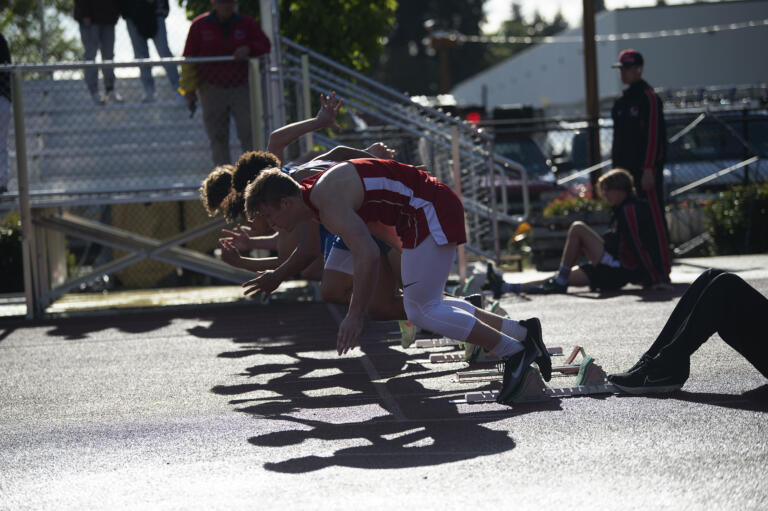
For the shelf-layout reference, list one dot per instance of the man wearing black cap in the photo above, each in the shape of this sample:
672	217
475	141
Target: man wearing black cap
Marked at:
640	141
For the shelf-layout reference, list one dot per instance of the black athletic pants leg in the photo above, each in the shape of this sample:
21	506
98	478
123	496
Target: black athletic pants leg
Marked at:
717	302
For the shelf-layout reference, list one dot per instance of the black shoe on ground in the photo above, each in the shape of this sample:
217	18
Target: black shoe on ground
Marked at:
494	280
652	376
643	360
515	367
548	287
3	189
534	339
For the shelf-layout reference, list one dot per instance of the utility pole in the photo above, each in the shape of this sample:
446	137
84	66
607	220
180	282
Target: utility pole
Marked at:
590	75
443	41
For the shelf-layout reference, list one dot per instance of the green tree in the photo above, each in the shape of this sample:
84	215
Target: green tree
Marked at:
20	24
517	26
410	64
348	31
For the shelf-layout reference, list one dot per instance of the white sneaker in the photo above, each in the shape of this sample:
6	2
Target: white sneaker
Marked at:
114	97
98	99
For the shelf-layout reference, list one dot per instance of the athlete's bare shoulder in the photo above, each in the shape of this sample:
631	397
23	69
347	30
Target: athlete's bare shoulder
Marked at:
339	184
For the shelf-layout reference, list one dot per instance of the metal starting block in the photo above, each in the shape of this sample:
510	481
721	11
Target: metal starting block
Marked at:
590	381
472	354
436	343
569	368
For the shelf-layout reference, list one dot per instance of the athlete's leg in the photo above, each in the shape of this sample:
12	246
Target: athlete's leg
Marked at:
425	271
582	239
385	303
337	283
733	309
682	310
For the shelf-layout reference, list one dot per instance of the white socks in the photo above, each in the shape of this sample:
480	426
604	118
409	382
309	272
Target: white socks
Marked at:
513	329
506	347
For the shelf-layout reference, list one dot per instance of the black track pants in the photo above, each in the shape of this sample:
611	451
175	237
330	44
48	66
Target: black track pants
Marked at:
717	302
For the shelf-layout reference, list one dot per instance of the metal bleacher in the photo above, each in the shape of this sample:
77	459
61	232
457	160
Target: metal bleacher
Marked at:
76	153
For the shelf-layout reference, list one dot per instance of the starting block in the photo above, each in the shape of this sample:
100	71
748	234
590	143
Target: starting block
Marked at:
569	368
437	343
472	354
590	380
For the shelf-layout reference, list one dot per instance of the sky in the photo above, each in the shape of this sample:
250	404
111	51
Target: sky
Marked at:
496	11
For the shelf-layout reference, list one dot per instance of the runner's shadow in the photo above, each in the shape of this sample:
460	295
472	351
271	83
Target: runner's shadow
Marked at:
382	410
388	444
433	433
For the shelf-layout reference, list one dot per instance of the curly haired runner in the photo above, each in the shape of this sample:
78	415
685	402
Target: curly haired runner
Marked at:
428	219
215	188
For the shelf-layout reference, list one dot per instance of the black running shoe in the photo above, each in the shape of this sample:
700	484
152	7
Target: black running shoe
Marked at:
548	287
534	339
475	299
651	376
643	360
514	370
495	281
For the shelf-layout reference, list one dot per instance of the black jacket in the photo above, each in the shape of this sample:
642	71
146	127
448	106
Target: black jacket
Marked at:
143	14
101	12
639	131
638	248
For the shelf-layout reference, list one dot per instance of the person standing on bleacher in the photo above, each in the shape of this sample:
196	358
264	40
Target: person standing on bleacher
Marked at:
222	86
97	19
145	20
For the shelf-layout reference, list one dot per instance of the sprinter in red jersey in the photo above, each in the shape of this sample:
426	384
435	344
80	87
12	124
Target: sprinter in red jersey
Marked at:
407	206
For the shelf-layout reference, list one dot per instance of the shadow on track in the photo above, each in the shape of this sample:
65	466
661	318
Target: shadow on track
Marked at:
396	419
755	400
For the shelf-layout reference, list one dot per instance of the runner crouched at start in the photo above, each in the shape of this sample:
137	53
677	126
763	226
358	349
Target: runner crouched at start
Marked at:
428	219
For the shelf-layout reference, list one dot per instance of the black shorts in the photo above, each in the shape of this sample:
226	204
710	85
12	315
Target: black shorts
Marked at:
608	278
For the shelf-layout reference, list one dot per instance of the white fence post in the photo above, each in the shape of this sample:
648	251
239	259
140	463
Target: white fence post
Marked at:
28	251
457	188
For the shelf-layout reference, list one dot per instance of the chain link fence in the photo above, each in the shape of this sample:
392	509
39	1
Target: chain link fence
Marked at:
710	148
123	160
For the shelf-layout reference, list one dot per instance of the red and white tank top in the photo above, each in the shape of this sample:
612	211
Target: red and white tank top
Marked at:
401	195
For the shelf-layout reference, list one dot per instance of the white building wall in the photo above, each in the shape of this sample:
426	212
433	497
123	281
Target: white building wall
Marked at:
552	75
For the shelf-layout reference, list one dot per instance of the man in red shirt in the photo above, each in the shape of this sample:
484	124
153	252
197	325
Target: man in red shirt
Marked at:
222	86
424	216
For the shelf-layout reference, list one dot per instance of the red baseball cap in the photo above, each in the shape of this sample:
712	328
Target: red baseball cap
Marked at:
629	58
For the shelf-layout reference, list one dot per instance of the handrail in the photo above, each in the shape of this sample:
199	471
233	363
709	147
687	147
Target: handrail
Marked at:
112	63
381	87
714	175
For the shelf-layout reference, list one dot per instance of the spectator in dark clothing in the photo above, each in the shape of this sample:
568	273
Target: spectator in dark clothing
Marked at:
626	254
145	20
223	86
640	142
5	113
97	19
717	302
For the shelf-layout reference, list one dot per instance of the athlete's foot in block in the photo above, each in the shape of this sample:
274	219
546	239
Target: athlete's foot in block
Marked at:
534	341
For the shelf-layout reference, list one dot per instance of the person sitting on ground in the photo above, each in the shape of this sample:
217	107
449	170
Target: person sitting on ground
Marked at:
428	219
717	302
626	254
